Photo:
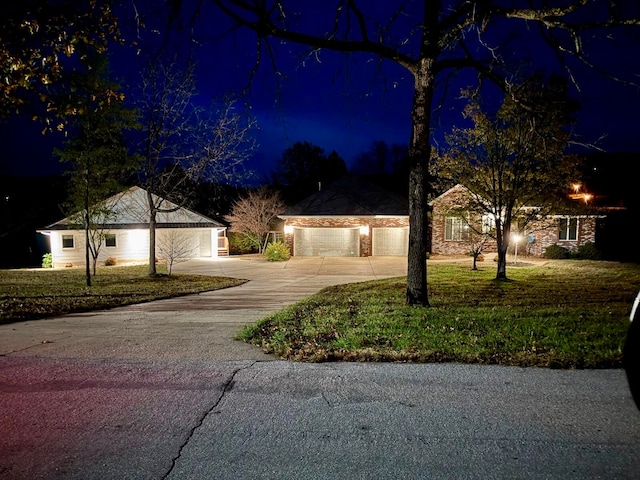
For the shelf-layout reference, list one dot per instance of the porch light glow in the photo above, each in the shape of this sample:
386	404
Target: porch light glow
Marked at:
288	229
364	230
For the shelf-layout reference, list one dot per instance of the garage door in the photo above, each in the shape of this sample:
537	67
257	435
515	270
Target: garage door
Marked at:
326	242
390	241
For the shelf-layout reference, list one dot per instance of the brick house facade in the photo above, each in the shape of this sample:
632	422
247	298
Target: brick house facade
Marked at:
350	217
448	235
366	227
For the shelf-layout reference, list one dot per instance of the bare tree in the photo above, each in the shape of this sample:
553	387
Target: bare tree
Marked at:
430	38
175	247
94	221
514	163
253	215
478	239
183	144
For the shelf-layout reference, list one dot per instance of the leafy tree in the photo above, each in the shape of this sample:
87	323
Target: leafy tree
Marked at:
182	144
41	43
303	166
514	163
97	156
436	38
252	215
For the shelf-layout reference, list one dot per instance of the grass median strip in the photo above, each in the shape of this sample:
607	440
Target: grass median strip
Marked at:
561	314
34	294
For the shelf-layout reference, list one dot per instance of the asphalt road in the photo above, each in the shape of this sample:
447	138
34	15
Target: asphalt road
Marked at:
162	390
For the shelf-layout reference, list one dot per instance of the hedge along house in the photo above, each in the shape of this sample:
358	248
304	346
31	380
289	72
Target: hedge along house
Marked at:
350	217
450	231
126	233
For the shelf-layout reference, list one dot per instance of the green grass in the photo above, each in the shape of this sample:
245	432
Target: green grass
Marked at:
563	314
34	294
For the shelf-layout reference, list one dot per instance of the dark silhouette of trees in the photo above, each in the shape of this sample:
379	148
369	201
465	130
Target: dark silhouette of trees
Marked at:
385	164
303	168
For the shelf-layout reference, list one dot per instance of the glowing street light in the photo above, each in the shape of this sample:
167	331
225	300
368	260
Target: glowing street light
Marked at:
516	238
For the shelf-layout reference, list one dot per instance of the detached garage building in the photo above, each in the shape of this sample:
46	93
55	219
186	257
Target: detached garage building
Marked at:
351	217
126	235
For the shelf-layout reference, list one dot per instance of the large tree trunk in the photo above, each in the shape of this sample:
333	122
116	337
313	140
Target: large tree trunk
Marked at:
501	273
87	269
152	235
503	245
152	244
419	154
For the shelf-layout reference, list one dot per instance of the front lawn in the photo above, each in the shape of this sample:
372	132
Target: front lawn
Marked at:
33	294
561	314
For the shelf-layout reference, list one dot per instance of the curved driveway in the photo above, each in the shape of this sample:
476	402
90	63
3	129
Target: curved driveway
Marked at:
198	326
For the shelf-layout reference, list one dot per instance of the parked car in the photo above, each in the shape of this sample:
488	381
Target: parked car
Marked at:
631	352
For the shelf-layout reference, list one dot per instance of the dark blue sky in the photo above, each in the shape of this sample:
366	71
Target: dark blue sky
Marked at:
344	103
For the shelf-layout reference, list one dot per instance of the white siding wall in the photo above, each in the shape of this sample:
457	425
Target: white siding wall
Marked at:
133	245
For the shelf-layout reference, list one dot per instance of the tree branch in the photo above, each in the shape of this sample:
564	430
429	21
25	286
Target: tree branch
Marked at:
264	26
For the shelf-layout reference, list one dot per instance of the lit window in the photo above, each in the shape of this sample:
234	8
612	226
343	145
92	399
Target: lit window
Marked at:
488	224
109	240
568	229
67	241
456	229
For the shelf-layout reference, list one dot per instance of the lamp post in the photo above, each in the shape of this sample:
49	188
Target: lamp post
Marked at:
516	239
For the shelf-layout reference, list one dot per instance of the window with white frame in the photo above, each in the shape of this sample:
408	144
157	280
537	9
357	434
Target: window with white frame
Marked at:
456	229
109	240
488	224
67	241
568	229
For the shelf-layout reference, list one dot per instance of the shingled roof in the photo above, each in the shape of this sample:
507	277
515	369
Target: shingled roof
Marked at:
350	195
131	210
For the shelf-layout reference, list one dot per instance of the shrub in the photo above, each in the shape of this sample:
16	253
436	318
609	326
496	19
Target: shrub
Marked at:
110	261
240	244
47	260
555	251
277	252
589	251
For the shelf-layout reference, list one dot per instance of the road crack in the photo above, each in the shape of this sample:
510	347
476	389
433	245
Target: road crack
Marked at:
228	386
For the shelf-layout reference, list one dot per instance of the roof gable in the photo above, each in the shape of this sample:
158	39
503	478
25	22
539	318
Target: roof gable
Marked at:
455	190
350	195
130	208
459	196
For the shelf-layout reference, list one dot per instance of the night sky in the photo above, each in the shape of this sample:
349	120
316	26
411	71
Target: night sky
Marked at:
337	102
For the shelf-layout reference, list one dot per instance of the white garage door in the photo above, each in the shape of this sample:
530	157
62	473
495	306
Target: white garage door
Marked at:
390	241
326	242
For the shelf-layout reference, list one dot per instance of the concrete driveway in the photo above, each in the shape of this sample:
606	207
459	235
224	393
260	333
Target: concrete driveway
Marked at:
161	390
199	326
